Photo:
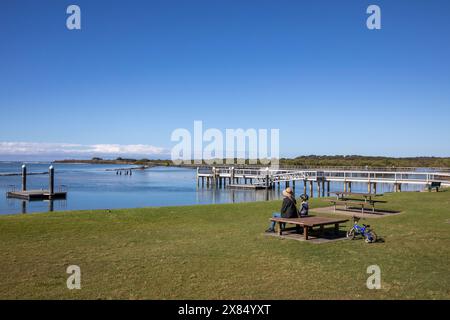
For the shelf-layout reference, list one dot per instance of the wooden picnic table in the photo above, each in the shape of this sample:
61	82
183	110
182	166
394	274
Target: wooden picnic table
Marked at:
309	222
361	203
342	194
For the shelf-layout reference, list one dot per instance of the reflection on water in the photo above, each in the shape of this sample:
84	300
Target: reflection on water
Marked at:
216	195
60	204
94	187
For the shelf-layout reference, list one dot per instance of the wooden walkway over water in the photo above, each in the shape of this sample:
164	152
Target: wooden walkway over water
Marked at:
268	178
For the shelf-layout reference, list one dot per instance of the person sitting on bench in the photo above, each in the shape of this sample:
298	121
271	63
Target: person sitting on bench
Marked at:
288	208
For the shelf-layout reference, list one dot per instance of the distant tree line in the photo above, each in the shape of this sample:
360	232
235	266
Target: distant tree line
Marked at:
302	161
370	161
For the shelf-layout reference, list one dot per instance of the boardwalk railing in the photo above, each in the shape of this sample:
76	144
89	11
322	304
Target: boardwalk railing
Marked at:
335	168
267	175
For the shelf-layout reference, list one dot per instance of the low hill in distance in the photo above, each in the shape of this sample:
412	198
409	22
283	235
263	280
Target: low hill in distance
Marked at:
303	161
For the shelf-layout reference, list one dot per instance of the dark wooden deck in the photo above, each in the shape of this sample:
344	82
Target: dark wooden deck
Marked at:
36	195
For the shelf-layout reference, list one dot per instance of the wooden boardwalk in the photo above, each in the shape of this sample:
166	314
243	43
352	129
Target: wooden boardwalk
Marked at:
269	177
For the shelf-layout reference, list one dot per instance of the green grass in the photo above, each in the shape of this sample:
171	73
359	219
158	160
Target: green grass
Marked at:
220	252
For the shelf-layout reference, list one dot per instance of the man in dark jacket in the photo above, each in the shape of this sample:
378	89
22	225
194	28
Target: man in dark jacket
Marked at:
288	208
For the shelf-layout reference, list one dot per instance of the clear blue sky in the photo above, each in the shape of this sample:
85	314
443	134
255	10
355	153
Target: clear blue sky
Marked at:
140	69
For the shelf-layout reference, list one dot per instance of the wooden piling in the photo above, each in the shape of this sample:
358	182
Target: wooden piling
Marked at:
51	181
24	178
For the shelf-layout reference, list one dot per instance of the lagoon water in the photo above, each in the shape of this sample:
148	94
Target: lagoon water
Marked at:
95	187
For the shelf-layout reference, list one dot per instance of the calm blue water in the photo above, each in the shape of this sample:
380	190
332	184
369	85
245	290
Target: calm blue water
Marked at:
93	187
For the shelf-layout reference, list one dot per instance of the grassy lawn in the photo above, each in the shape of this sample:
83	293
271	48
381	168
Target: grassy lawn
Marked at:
219	251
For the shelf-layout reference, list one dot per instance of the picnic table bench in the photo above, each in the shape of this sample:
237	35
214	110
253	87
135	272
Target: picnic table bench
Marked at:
362	203
434	185
341	195
308	223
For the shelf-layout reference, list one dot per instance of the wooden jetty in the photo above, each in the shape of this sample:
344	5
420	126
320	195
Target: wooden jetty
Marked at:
42	194
268	178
